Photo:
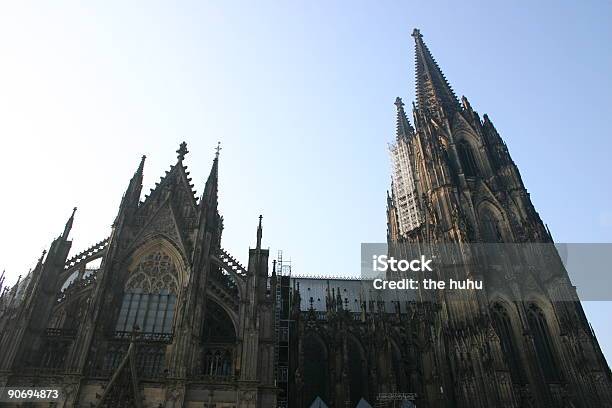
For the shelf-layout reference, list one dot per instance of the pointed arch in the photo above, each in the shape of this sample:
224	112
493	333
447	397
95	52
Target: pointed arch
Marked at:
542	339
219	325
315	369
161	244
154	276
492	224
220	340
505	330
401	377
357	369
467	158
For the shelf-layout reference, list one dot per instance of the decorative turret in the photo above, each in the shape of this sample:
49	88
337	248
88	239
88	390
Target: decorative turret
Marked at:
68	226
259	232
210	195
135	186
404	129
131	197
433	92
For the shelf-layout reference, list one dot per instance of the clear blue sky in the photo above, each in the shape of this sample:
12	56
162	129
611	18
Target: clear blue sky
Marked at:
300	93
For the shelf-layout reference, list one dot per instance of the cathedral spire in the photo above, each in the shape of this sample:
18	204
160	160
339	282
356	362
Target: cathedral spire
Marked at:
259	232
136	181
433	92
132	195
211	187
69	223
140	170
404	129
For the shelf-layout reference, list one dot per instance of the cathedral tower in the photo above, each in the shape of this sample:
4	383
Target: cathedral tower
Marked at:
455	182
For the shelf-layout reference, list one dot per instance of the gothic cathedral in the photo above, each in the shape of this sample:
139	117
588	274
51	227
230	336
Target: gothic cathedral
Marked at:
160	315
156	315
455	182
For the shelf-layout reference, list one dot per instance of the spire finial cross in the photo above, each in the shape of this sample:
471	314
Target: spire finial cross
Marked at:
217	150
182	151
398	102
416	33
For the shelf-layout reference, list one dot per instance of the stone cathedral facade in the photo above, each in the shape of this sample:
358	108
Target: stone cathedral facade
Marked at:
490	350
512	345
160	315
156	315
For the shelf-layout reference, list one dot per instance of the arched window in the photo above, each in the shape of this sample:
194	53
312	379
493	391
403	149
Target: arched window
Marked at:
467	159
218	326
149	298
490	228
543	343
219	338
357	371
398	369
315	370
503	328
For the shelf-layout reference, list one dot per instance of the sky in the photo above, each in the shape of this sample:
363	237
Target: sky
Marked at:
300	94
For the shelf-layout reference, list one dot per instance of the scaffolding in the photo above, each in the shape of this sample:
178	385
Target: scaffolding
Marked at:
282	315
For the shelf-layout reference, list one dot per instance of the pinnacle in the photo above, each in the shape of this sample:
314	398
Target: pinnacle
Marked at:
182	151
432	89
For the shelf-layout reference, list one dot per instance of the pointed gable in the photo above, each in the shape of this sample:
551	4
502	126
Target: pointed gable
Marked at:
171	208
162	222
175	184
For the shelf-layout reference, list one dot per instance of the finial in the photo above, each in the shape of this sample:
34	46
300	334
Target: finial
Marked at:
182	151
142	162
416	33
217	150
69	223
259	232
399	103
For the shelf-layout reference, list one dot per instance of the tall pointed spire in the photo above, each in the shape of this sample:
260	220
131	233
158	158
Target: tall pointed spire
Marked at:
433	91
211	187
404	129
138	175
259	232
132	195
140	170
69	223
